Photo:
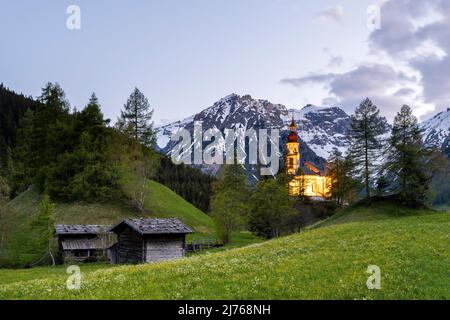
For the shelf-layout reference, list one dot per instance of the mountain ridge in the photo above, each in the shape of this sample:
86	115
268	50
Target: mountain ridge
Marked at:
320	128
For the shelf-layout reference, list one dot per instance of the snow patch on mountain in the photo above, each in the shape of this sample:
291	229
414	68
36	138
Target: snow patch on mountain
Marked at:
436	130
321	128
165	132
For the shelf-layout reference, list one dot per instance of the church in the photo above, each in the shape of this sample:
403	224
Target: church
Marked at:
309	181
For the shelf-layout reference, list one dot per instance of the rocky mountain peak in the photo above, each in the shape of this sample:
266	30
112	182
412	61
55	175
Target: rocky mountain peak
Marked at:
436	131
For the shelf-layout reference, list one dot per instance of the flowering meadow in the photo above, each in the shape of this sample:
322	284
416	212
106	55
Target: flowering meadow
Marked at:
330	261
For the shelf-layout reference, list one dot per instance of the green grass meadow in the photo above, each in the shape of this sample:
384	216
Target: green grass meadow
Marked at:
327	261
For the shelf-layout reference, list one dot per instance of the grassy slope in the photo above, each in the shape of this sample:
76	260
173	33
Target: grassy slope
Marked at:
18	275
412	249
160	202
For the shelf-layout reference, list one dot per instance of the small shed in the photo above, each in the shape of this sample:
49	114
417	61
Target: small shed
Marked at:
83	243
150	240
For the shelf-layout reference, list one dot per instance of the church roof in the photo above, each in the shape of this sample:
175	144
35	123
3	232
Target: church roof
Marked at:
309	169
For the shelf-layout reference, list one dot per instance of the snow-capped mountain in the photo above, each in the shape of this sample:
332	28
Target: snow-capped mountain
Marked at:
320	129
436	131
231	112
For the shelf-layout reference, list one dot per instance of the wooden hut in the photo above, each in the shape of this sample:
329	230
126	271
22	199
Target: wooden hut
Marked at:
149	240
83	243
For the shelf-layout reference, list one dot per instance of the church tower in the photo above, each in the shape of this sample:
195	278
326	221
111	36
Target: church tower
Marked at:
292	150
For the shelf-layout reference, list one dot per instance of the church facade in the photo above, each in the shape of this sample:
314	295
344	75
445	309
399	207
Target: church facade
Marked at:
306	180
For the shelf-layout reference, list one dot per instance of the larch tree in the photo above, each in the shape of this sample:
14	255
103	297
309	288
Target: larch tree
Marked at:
136	123
136	118
366	131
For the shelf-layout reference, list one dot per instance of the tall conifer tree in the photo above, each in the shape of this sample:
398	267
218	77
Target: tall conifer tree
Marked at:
367	128
408	158
137	118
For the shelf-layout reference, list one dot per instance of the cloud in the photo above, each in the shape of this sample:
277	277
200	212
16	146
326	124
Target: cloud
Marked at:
330	14
405	92
377	81
421	37
330	101
336	61
414	41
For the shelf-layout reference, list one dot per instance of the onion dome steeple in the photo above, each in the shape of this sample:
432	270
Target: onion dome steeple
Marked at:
293	136
293	125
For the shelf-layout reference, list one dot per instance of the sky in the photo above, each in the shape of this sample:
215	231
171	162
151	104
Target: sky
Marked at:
186	54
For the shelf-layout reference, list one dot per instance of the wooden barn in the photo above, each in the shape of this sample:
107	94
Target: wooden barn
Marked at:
84	243
149	240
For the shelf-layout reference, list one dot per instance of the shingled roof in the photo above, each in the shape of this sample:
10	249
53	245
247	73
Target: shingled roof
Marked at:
153	226
81	229
85	244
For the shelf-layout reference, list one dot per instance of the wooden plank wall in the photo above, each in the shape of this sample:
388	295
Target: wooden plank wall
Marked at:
159	248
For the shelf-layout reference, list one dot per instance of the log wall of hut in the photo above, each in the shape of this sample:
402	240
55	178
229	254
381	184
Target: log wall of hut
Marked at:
130	246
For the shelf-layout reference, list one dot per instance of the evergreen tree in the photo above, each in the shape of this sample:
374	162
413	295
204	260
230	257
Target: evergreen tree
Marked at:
99	174
228	205
367	128
21	172
68	155
95	175
407	158
51	135
12	109
136	118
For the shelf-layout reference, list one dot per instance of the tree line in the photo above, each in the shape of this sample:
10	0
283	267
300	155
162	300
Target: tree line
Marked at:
388	160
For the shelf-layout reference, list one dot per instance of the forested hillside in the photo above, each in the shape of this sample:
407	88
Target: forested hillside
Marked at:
12	108
189	182
72	155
